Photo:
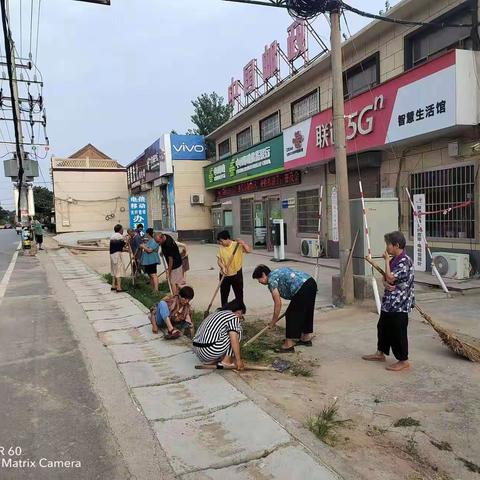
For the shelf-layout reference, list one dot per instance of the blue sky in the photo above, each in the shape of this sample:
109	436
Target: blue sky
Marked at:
120	76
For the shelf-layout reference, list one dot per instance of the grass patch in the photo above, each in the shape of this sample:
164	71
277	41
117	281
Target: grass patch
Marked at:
470	465
142	290
300	370
445	446
326	424
407	422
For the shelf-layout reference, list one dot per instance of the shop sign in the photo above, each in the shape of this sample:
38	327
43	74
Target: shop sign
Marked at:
137	207
419	246
334	216
288	202
285	179
188	147
434	96
257	161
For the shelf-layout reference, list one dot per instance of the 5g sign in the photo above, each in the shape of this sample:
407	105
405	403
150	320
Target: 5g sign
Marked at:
188	147
362	123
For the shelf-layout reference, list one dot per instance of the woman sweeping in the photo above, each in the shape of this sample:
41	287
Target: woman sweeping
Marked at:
219	335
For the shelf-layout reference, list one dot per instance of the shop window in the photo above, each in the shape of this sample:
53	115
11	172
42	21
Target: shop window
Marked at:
228	218
270	127
244	139
307	211
362	77
444	189
224	148
428	42
246	220
306	107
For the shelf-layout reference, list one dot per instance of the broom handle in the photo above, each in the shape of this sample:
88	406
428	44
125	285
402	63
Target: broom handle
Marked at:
247	367
425	315
223	277
261	332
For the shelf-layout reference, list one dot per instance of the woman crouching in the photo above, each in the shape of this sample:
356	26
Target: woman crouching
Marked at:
219	335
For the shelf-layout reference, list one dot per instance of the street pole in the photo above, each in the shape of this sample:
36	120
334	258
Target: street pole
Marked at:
344	226
12	80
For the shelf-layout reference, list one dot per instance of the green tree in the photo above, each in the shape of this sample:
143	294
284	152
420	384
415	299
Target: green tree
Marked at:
6	216
43	199
209	113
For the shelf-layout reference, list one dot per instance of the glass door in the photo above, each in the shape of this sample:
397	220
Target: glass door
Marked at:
274	211
259	225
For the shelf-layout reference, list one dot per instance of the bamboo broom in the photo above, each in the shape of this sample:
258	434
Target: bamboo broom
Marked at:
461	344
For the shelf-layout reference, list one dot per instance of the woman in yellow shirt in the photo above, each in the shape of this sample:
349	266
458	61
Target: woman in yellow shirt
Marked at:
232	270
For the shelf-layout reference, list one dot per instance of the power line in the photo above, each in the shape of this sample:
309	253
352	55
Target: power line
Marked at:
38	29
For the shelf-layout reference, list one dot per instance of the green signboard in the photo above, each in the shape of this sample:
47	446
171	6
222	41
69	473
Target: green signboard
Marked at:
263	159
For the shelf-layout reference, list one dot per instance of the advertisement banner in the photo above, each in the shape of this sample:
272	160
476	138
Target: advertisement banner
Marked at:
419	247
137	208
334	217
260	160
426	99
188	147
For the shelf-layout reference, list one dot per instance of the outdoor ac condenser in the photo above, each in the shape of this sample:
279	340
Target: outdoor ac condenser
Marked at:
197	199
310	247
452	265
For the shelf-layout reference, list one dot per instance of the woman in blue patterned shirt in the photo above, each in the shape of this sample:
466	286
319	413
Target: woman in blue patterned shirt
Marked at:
397	303
301	289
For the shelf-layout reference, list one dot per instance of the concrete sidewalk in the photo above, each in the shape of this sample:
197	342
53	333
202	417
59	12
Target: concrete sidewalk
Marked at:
206	426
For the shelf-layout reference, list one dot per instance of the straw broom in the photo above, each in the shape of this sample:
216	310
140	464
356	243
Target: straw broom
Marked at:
461	344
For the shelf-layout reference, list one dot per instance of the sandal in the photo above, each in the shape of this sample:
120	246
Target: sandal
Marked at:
304	343
173	334
119	291
284	350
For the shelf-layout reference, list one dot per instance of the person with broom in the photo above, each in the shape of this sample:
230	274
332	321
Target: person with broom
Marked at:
397	303
230	259
301	289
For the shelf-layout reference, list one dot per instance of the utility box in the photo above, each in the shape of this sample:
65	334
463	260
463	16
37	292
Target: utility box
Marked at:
382	217
30	168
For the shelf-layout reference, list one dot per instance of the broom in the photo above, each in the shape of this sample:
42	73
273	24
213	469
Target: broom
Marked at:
461	344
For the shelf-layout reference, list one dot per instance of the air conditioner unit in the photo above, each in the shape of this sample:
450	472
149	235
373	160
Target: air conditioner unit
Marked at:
452	265
197	199
311	247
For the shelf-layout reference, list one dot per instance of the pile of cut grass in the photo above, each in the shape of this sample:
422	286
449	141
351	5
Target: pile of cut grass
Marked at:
326	424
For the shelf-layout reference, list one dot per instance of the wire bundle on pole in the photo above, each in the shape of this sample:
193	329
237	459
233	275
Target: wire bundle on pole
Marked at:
309	9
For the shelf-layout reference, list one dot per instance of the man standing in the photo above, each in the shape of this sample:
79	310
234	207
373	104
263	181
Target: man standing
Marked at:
231	269
301	289
117	245
38	231
173	258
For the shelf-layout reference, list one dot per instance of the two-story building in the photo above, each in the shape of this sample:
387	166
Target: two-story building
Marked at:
412	114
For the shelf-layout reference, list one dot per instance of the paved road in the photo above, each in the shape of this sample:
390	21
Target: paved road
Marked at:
48	407
8	244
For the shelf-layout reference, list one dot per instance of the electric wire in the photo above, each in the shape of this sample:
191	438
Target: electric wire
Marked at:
38	30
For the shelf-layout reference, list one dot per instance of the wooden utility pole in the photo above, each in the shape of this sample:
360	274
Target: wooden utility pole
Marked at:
344	226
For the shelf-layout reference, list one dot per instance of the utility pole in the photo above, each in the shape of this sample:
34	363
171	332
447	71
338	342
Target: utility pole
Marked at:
22	207
344	227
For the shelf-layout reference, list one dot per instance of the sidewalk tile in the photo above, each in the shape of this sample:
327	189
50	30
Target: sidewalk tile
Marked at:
289	463
147	352
134	335
186	399
168	370
111	314
236	434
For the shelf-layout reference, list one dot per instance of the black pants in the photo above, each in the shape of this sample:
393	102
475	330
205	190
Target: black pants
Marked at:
39	239
234	281
299	314
392	333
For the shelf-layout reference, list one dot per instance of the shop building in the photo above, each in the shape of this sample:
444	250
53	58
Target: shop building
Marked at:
412	114
90	191
168	179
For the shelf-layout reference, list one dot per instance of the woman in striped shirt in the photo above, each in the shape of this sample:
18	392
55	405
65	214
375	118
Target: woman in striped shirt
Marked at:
219	335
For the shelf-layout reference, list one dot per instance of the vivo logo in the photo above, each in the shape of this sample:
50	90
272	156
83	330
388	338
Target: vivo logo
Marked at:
185	148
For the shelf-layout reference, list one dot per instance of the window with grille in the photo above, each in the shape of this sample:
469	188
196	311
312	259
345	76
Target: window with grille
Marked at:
246	220
429	42
224	148
362	76
306	107
270	127
307	211
445	189
244	139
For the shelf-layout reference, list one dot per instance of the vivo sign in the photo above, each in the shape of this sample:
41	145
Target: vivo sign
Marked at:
188	147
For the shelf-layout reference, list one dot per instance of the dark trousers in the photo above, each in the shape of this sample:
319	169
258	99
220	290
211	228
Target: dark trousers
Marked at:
299	314
234	281
392	333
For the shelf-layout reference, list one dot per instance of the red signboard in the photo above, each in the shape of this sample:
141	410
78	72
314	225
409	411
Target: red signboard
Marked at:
292	177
